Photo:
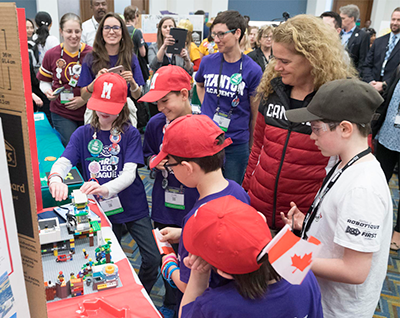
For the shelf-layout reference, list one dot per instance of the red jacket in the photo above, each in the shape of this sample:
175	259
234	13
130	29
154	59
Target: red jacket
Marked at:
284	164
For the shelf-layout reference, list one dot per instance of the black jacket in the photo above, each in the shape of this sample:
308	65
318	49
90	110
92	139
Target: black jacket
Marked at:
376	56
358	46
258	56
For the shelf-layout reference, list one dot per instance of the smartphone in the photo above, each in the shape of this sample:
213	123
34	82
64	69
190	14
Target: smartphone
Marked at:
58	91
180	40
117	69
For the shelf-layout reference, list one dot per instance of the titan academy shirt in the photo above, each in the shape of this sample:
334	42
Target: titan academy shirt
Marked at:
208	74
153	138
133	198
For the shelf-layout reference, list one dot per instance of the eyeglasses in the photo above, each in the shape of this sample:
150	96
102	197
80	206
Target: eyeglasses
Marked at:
115	28
318	128
220	35
168	166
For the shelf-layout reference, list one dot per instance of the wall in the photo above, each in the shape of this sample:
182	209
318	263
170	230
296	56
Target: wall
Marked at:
186	6
267	10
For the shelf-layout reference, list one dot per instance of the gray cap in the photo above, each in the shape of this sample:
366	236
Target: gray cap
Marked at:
344	99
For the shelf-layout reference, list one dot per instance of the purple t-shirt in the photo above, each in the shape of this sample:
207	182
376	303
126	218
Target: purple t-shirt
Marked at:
232	189
153	138
133	198
281	300
208	74
87	75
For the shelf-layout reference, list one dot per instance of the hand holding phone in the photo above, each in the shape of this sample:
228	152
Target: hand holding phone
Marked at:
117	69
180	40
58	91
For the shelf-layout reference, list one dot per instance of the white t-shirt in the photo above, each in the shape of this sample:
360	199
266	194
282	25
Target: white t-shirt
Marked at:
356	213
89	29
51	41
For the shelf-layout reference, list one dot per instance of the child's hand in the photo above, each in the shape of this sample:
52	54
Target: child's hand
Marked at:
94	188
58	190
196	263
171	235
294	217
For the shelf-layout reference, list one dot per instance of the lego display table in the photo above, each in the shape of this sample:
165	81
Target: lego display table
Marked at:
128	300
50	149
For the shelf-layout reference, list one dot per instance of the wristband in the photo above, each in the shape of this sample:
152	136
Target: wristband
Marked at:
165	270
54	174
136	89
170	256
170	280
167	265
87	89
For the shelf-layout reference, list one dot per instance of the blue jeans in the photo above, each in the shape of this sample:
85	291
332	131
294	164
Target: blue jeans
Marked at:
236	159
140	231
65	127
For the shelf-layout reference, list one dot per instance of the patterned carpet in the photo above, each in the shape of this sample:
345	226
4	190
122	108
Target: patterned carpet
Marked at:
389	304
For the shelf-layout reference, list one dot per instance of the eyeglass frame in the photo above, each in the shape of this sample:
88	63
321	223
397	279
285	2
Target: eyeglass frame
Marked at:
115	28
221	35
167	166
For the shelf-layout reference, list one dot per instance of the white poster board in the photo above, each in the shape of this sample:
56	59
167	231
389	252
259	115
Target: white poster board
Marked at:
13	297
150	22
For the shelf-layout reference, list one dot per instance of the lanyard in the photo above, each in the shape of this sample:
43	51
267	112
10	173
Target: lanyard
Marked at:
79	53
312	211
233	105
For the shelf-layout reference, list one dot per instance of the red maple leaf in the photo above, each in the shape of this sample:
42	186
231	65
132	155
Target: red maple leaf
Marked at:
301	263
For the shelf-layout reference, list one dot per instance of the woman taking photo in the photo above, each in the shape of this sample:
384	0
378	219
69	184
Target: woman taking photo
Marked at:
112	47
285	165
263	53
158	55
61	67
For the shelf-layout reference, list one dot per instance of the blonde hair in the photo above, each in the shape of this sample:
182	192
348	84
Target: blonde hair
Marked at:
245	43
318	43
120	123
186	24
264	30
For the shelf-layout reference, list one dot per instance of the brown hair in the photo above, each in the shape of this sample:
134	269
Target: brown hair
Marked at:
120	123
101	59
160	37
264	30
364	129
70	16
254	285
131	13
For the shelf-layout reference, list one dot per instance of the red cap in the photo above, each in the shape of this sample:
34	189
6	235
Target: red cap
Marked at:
167	79
228	234
191	136
109	94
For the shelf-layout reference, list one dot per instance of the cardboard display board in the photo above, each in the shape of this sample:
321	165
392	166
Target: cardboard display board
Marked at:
16	112
13	298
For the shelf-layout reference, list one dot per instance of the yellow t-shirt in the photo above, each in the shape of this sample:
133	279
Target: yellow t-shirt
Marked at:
207	47
194	52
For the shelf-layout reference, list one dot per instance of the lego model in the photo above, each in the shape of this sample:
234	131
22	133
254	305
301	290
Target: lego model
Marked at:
76	285
105	276
49	230
64	258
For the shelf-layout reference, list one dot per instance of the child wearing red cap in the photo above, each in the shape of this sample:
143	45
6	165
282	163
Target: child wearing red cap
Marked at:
194	148
231	236
171	199
110	150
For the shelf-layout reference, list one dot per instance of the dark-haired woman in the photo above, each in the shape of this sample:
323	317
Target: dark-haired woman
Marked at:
158	55
61	67
112	47
42	37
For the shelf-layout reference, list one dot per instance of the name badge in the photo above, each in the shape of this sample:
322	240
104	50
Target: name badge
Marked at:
74	80
111	206
174	198
66	96
222	120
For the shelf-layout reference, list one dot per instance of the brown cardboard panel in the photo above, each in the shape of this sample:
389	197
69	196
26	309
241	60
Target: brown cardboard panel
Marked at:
18	125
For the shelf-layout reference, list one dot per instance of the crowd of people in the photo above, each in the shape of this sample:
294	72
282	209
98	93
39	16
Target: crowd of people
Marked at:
284	130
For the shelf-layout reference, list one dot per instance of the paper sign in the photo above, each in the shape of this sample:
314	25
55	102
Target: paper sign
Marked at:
163	247
291	256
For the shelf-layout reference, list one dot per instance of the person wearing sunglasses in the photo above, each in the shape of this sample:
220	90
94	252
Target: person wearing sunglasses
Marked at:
112	47
226	82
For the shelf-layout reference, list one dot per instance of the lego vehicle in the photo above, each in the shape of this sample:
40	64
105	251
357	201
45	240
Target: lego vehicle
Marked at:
64	258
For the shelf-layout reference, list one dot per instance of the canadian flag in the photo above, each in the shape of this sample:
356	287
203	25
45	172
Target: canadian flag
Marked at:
290	255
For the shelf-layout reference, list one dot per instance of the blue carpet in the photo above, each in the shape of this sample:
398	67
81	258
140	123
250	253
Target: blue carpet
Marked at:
389	304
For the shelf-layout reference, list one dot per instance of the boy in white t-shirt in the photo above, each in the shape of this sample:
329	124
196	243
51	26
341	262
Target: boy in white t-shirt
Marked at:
352	213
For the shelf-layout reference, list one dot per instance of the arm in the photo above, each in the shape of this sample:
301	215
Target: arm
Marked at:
187	63
254	102
46	88
200	91
364	48
367	75
142	51
60	169
258	138
353	268
152	56
87	91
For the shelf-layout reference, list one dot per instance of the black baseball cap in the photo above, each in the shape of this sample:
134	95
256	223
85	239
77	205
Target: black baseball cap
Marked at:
343	99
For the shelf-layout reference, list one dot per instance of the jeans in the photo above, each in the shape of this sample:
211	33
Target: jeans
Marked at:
65	127
236	159
140	231
388	159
